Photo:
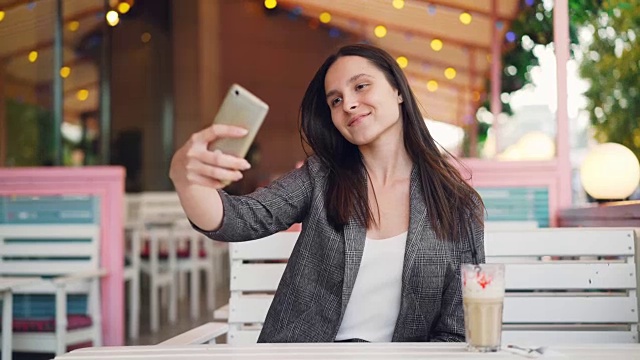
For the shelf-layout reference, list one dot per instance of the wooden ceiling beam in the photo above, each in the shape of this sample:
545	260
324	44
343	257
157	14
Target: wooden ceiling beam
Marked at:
11	5
48	43
433	62
446	4
424	77
290	4
80	87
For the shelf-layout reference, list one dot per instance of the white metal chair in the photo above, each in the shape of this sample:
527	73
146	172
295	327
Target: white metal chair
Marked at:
551	297
67	259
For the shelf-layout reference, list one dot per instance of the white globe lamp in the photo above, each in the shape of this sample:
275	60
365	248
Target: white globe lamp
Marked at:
610	172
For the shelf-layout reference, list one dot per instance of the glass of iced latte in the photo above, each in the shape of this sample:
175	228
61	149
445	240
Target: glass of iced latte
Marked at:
483	297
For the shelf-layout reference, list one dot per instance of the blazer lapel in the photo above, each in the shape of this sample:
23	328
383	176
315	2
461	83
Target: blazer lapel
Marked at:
419	239
354	239
418	220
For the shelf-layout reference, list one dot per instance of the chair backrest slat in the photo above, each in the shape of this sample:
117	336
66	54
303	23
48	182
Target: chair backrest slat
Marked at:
275	247
561	242
255	277
558	276
570	309
249	308
48	250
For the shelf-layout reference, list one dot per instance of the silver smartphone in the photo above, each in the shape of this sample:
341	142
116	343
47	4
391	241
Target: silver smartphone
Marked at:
240	108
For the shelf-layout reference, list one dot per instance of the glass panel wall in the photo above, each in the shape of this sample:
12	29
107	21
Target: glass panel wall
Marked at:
50	61
26	68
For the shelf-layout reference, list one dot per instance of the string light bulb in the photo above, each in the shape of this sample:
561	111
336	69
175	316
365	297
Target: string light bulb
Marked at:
432	85
380	31
124	7
436	44
324	17
465	18
82	95
450	73
33	56
270	4
398	4
65	71
145	37
402	61
1	15
112	18
73	25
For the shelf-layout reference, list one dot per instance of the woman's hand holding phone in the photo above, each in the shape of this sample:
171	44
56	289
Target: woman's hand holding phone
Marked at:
195	164
213	157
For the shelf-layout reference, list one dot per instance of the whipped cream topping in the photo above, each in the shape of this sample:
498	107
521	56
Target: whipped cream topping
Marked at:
482	284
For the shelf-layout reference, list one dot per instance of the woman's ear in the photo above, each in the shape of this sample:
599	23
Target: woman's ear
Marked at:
400	100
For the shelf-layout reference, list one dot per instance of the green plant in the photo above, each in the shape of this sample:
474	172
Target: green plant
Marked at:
611	65
30	126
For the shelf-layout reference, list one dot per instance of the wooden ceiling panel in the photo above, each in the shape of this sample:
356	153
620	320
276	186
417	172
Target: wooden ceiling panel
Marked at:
426	72
24	27
21	68
73	107
419	47
506	9
413	18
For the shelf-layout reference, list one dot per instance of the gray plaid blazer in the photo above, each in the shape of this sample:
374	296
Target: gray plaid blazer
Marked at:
315	288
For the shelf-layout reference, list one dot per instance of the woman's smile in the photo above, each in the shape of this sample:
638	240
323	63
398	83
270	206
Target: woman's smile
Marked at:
357	119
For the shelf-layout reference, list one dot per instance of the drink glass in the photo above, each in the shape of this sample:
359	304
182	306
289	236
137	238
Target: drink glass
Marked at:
483	299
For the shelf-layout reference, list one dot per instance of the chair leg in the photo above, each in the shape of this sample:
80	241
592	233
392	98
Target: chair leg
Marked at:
61	320
96	312
182	284
134	307
154	308
164	297
195	292
173	302
211	286
7	308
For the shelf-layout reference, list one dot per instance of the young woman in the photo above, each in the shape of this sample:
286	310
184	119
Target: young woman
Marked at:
386	220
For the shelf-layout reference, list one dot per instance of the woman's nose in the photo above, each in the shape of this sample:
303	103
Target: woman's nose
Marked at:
350	104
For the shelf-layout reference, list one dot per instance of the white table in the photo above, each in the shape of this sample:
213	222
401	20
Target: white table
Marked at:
343	351
7	284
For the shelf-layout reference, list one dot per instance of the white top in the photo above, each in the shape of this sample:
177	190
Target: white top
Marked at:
374	304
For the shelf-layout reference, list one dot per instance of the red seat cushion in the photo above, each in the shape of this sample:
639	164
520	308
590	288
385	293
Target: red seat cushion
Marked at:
184	251
49	324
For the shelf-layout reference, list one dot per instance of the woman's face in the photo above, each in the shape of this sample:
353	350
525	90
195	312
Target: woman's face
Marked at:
364	106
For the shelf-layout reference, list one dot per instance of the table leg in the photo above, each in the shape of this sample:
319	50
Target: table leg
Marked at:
7	324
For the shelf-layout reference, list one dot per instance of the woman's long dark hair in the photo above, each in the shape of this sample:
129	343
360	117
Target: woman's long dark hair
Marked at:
449	199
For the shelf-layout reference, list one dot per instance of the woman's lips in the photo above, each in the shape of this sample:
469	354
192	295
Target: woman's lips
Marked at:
357	119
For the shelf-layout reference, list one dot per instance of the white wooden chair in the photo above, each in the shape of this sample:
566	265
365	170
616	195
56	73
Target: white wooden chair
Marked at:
558	296
548	301
202	257
67	258
161	271
132	261
150	216
172	251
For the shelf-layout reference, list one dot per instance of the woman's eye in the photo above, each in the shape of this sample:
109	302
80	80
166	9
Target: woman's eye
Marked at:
361	86
335	101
